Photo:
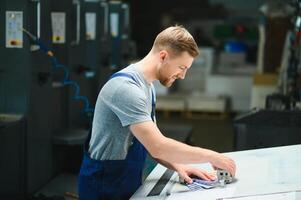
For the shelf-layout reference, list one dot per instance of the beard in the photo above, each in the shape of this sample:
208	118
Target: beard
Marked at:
164	80
167	82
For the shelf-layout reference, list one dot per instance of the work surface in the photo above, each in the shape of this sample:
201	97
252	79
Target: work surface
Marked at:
270	173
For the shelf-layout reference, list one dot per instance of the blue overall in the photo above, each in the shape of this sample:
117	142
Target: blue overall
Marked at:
113	179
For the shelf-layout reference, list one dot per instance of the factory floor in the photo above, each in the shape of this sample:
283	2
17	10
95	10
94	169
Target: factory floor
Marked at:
214	131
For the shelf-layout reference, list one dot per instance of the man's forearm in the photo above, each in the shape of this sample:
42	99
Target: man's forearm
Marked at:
172	151
163	148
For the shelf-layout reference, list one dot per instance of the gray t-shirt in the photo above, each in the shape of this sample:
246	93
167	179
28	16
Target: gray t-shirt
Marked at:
120	103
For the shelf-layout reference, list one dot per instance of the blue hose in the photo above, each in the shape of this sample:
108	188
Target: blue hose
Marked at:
66	81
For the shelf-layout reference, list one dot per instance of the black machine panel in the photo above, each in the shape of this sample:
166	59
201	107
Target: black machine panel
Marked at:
24	92
43	117
267	128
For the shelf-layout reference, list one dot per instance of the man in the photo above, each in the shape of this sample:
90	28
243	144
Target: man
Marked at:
124	124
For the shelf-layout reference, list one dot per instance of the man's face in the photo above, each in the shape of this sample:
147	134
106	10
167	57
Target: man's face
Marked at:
172	68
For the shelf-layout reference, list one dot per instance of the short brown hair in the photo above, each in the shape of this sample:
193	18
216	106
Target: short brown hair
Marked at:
178	40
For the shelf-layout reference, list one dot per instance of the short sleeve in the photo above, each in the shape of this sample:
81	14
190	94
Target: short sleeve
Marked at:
129	103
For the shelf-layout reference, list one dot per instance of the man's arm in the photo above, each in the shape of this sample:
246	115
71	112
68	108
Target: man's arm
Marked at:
172	151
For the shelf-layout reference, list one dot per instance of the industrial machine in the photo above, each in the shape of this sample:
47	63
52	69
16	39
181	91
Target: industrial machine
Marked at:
56	55
25	96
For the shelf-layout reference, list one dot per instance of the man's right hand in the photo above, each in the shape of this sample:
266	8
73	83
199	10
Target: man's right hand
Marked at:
220	161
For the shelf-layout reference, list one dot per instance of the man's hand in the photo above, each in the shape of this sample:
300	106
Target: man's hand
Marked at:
220	161
186	172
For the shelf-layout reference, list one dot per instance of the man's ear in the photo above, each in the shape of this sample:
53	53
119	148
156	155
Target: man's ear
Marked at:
163	55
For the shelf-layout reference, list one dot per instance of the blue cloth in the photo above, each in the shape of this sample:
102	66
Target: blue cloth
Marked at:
199	184
112	179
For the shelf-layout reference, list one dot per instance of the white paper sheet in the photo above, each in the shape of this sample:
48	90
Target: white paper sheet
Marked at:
281	196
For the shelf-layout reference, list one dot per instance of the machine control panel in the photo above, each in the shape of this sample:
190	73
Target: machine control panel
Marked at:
58	22
90	18
14	32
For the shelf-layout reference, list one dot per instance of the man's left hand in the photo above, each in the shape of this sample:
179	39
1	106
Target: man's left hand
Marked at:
186	172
